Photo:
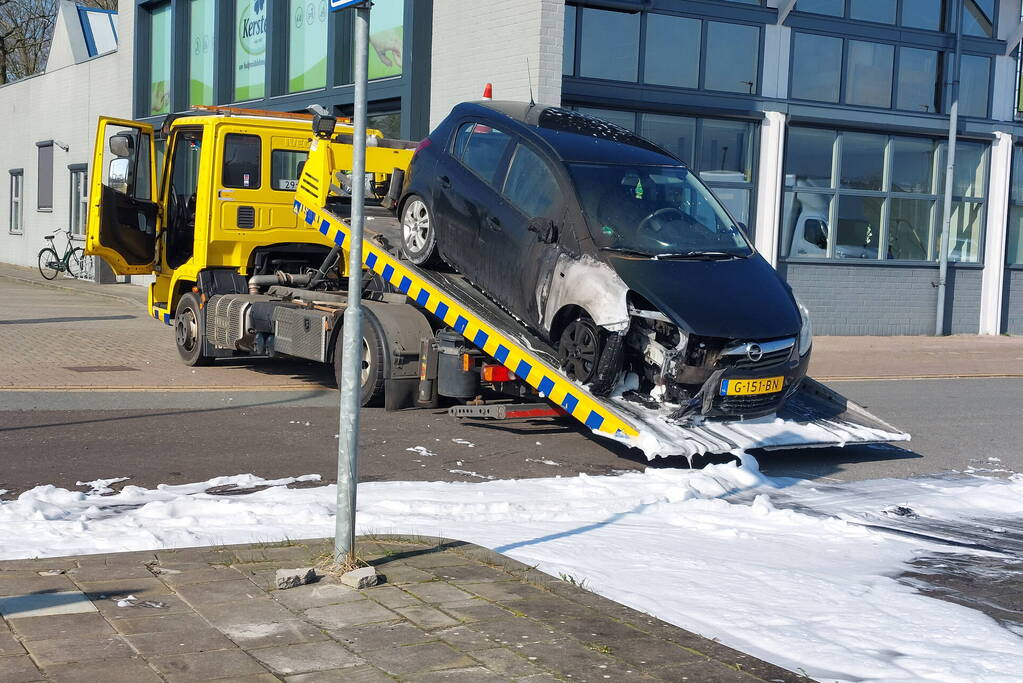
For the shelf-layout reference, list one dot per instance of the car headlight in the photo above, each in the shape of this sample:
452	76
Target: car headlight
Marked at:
805	329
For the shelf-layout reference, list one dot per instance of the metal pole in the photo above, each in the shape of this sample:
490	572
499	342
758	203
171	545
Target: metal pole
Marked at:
950	157
351	359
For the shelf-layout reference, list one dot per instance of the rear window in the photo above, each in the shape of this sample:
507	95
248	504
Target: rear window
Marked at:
481	148
241	161
285	168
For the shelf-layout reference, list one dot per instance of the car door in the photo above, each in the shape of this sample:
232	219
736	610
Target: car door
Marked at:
520	232
123	218
466	192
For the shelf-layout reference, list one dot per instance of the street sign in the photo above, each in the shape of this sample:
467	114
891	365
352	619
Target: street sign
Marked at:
343	4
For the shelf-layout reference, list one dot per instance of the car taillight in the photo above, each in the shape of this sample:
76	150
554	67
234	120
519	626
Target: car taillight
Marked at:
497	373
423	144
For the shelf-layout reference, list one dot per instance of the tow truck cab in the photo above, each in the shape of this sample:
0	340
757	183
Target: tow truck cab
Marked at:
211	191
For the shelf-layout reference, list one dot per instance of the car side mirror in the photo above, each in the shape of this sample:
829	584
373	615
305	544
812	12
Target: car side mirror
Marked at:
119	175
545	229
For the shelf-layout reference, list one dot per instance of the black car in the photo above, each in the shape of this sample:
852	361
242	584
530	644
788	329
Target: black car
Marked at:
612	249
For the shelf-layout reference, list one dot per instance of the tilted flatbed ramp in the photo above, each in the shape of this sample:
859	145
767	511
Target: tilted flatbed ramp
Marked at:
814	417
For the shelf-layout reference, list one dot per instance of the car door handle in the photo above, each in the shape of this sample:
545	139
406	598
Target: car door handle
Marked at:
445	181
493	224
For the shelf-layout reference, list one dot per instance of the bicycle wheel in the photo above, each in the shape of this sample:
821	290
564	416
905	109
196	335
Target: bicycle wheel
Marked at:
49	263
79	265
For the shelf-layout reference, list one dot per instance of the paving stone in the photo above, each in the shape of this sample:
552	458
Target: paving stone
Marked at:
503	591
517	630
237	591
13	607
19	669
380	636
399	574
160	623
143	588
432	559
597	628
707	671
317	595
256	634
104	671
9	645
259	610
471	573
506	662
465	639
481	610
567	658
349	614
198	574
177	642
551	608
299	659
295	555
64	650
193	557
103	572
646	651
358	674
251	678
90	625
469	675
115	559
206	665
23	582
439	593
427	617
119	607
409	659
38	564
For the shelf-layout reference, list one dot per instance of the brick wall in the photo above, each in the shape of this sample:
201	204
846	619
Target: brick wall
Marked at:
884	300
475	43
1012	305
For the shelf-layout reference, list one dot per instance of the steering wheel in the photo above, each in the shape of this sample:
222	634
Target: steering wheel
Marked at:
656	215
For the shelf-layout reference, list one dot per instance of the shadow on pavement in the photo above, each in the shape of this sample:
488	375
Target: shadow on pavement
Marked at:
71	319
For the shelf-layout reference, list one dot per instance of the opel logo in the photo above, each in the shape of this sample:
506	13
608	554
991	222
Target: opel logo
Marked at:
754	352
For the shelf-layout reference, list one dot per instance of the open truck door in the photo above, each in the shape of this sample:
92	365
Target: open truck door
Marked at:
123	216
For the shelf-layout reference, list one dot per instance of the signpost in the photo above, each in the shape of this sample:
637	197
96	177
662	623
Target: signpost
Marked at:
351	359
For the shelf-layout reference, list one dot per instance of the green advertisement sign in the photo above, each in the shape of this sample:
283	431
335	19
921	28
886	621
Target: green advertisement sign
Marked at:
201	52
307	45
250	50
160	60
386	35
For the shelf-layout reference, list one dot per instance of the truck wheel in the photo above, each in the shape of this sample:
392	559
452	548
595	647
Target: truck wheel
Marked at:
371	378
418	233
190	330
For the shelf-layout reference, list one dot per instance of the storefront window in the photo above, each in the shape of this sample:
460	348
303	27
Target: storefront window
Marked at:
201	51
732	60
386	38
925	14
835	8
913	165
307	40
250	50
974	75
672	51
159	59
881	11
609	45
625	119
918	81
862	161
816	67
868	74
677	134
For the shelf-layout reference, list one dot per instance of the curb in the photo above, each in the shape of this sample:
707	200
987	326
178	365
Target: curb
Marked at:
70	288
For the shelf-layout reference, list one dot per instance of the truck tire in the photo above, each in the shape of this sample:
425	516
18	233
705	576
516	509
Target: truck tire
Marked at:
190	330
371	391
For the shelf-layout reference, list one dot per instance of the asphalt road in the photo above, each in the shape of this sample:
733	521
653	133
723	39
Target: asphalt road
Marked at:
186	436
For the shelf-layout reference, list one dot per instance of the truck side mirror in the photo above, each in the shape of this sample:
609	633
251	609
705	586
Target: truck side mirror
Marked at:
545	229
119	174
122	145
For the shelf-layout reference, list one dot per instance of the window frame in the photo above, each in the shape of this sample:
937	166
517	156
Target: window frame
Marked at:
947	22
83	199
556	201
42	174
502	165
16	177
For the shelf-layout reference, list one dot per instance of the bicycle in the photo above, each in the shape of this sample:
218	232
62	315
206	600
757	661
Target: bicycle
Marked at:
74	261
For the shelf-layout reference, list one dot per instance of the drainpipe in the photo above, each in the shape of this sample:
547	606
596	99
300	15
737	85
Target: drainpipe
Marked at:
950	157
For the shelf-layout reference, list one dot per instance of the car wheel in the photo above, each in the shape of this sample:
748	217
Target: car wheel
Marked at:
579	349
418	233
190	330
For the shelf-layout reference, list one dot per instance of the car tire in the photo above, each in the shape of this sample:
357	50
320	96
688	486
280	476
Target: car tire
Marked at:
190	330
580	346
418	232
371	391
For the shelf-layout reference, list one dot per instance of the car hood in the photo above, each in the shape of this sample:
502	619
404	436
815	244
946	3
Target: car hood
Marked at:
736	299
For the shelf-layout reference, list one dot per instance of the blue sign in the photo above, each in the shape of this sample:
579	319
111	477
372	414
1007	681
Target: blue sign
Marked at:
344	4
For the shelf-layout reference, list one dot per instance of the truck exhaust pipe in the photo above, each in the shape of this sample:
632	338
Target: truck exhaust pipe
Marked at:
257	282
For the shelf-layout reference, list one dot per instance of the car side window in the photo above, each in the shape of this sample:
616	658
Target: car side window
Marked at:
530	184
482	151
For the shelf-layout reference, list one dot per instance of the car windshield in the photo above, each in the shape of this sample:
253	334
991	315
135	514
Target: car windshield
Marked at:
663	211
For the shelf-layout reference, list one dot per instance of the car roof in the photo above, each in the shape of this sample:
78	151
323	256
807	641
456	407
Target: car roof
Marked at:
572	135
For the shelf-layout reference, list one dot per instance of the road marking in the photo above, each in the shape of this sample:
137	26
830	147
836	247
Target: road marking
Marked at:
164	388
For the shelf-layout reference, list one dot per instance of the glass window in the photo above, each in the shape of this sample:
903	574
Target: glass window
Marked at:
910	229
913	165
530	184
862	161
388	123
732	61
926	14
979	18
568	46
974	76
859	226
483	150
285	168
672	51
835	8
868	74
881	11
201	51
677	134
159	59
736	200
79	208
971	167
805	232
1014	239
609	45
625	119
242	161
816	67
810	154
307	36
726	151
965	232
44	176
386	38
17	201
249	50
918	87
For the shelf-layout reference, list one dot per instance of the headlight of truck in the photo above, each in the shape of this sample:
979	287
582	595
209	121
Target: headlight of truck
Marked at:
805	330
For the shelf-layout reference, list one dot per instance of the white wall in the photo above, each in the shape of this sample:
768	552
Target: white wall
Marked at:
475	43
61	104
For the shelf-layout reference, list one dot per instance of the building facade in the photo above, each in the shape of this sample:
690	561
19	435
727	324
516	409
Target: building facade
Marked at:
821	124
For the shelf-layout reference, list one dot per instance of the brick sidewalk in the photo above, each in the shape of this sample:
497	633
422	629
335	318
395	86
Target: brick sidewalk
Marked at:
448	611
